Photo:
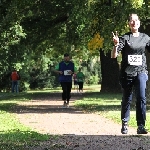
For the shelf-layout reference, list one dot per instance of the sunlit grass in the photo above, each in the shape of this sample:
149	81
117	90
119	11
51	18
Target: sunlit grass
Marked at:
109	106
14	135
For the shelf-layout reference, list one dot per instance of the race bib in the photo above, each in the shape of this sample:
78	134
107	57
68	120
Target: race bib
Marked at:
135	60
66	72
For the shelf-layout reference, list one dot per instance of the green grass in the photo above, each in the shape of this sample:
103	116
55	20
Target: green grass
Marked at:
14	135
109	105
91	88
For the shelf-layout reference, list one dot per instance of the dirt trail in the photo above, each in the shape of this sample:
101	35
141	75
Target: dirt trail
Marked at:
78	130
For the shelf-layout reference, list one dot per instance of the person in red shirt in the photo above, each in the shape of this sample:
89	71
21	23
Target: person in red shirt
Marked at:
14	78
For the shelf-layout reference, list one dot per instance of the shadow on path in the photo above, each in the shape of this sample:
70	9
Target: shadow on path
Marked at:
44	112
45	103
95	142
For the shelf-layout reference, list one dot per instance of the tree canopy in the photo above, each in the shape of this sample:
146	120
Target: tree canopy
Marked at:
37	33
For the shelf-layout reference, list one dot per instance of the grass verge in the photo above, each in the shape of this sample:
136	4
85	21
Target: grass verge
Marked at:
109	105
14	135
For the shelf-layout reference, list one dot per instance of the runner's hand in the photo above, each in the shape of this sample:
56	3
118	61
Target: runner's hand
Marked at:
115	38
60	72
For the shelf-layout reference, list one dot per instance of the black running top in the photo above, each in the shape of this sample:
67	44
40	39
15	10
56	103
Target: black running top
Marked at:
133	53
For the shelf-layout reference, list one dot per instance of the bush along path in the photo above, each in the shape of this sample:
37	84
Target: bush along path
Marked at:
73	129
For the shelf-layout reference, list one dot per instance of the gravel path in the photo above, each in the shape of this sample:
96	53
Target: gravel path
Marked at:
78	130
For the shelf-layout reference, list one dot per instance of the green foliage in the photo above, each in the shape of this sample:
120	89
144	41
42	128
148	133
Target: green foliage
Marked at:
93	80
113	17
42	77
92	71
35	34
135	3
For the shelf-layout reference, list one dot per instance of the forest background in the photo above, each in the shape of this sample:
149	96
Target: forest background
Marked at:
34	35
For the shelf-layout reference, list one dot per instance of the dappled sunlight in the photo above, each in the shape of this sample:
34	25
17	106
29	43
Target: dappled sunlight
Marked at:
88	118
20	139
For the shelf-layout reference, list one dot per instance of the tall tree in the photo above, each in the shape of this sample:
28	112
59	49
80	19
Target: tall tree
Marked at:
112	16
33	30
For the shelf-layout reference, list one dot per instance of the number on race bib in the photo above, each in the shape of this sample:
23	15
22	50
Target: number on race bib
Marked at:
66	72
135	60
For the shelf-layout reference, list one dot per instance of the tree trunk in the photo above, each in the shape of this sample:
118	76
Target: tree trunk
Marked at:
110	73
